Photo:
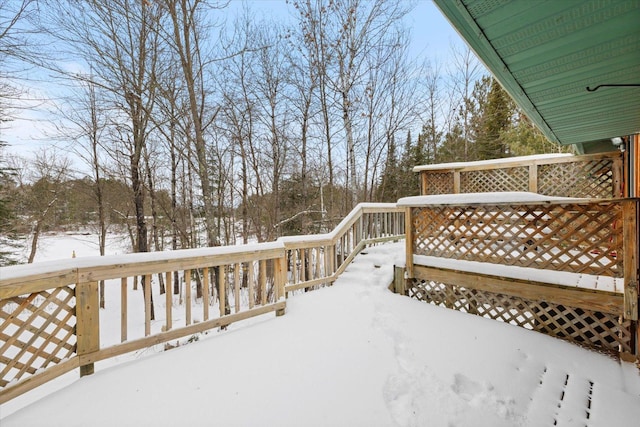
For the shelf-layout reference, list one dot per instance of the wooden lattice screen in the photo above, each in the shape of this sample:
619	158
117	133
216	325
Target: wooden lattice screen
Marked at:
594	328
591	176
579	238
438	183
37	331
495	180
578	179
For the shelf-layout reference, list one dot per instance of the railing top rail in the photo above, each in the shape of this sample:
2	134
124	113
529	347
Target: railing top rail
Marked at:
537	159
69	271
500	198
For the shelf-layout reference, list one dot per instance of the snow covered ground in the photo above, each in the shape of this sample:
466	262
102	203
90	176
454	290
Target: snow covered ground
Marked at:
351	355
59	245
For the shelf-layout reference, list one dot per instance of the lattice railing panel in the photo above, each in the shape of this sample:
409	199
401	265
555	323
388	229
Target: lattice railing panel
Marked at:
580	238
495	180
587	327
592	179
36	331
439	183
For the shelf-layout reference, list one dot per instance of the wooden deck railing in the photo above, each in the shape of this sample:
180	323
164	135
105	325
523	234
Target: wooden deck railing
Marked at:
319	259
568	267
50	322
588	176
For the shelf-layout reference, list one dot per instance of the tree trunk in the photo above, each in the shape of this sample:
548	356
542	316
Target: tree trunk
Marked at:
34	242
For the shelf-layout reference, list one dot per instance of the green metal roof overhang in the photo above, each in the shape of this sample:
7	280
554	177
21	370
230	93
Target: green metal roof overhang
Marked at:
546	53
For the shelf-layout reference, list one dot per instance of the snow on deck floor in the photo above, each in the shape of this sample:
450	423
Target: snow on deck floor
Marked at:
356	355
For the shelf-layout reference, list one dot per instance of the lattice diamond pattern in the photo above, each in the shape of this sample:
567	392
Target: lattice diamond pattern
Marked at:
37	330
439	183
583	179
592	328
593	179
495	180
579	238
584	326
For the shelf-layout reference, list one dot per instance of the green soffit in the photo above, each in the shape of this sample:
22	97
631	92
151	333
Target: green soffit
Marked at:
546	53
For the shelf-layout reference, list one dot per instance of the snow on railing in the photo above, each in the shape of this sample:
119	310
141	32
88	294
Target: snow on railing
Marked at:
591	176
50	321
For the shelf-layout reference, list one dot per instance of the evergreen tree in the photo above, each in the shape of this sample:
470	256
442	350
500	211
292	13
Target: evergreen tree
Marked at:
414	155
6	184
398	179
390	178
431	138
478	138
452	148
495	118
491	112
7	214
522	138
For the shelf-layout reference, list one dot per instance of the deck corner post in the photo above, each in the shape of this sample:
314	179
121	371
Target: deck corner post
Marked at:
399	282
87	323
630	258
631	268
408	230
281	279
423	183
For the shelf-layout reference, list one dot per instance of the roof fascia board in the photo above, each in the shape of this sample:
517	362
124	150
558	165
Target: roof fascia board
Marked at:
466	26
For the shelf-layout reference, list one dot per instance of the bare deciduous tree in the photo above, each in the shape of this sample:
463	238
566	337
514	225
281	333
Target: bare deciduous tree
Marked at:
43	191
465	70
186	39
116	38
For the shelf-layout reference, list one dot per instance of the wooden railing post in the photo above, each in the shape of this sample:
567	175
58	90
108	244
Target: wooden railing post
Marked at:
617	173
631	268
87	322
146	290
423	183
169	301
408	233
399	282
630	257
280	280
250	283
123	309
456	182
236	287
330	254
262	278
206	292
533	178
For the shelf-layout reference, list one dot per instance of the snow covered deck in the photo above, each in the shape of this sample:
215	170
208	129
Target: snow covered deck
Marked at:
353	354
52	322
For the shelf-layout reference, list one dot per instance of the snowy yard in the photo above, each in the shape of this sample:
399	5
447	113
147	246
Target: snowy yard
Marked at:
350	355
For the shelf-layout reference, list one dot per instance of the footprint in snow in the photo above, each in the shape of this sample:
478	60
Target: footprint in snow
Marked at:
482	395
